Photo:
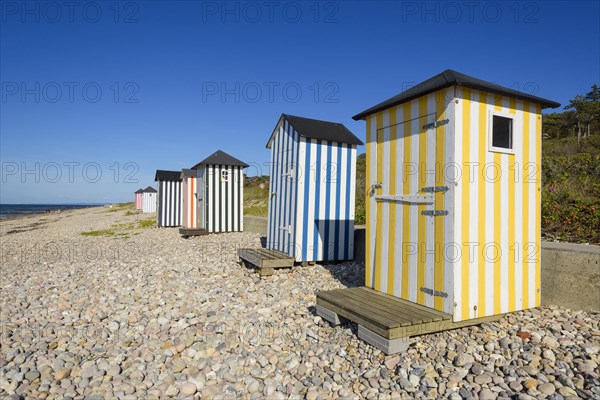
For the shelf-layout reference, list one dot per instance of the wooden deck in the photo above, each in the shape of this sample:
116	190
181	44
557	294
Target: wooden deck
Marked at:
388	316
192	232
265	260
386	321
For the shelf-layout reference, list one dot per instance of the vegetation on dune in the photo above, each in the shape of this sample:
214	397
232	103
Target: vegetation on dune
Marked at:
122	207
123	230
256	196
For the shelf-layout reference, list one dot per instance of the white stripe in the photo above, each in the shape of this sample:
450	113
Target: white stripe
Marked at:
451	258
506	253
312	147
371	180
343	164
532	209
518	245
398	265
474	248
301	182
334	200
385	207
430	181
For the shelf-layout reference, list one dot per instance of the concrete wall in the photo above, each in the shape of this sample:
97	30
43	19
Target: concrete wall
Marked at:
571	275
570	272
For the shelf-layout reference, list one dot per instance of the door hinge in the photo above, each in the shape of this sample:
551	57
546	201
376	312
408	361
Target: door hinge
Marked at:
286	228
434	292
434	213
435	124
434	189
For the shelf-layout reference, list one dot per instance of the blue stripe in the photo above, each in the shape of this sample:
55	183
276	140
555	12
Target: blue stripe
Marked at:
307	182
317	203
328	184
348	194
337	203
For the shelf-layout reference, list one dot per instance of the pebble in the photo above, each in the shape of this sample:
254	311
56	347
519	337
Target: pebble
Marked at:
188	389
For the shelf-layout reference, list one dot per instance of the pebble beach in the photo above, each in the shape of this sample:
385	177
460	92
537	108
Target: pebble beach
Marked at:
137	312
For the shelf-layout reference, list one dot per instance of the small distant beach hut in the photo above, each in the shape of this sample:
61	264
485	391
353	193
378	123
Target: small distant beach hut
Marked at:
138	199
311	191
169	198
452	210
149	200
213	196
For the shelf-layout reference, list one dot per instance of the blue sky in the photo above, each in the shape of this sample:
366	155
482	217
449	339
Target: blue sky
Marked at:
91	87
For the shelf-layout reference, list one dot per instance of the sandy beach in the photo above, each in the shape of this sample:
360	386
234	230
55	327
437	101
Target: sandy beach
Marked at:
126	310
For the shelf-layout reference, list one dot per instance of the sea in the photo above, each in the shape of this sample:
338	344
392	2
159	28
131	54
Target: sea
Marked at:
15	210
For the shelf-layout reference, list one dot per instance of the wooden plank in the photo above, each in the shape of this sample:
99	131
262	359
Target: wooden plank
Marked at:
382	314
413	305
401	305
397	310
376	314
394	307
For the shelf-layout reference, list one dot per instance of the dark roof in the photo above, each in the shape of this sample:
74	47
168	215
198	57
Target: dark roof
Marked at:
317	129
452	78
139	191
219	157
149	189
162	175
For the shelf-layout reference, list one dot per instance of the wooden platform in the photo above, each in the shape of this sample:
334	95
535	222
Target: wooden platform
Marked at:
192	232
386	321
265	260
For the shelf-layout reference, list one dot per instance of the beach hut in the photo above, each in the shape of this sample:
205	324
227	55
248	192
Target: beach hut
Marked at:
138	199
452	210
213	196
311	191
149	200
169	198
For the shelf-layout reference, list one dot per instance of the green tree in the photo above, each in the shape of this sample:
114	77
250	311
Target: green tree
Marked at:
587	111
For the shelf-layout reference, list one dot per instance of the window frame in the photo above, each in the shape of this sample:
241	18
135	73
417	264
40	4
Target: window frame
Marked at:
491	146
224	175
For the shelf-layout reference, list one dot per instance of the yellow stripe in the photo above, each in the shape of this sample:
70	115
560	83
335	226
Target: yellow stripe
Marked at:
440	143
538	203
422	101
466	206
378	205
392	205
499	215
482	203
406	189
524	170
368	200
511	219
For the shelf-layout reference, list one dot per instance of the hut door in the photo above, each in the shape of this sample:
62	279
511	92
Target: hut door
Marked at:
200	200
405	196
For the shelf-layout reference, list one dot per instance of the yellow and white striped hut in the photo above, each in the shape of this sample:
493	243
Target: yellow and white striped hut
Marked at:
453	206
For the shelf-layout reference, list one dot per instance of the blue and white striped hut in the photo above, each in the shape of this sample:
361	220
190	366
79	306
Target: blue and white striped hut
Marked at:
311	203
169	198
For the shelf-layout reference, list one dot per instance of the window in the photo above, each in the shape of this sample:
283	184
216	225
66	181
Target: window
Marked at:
224	176
501	132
